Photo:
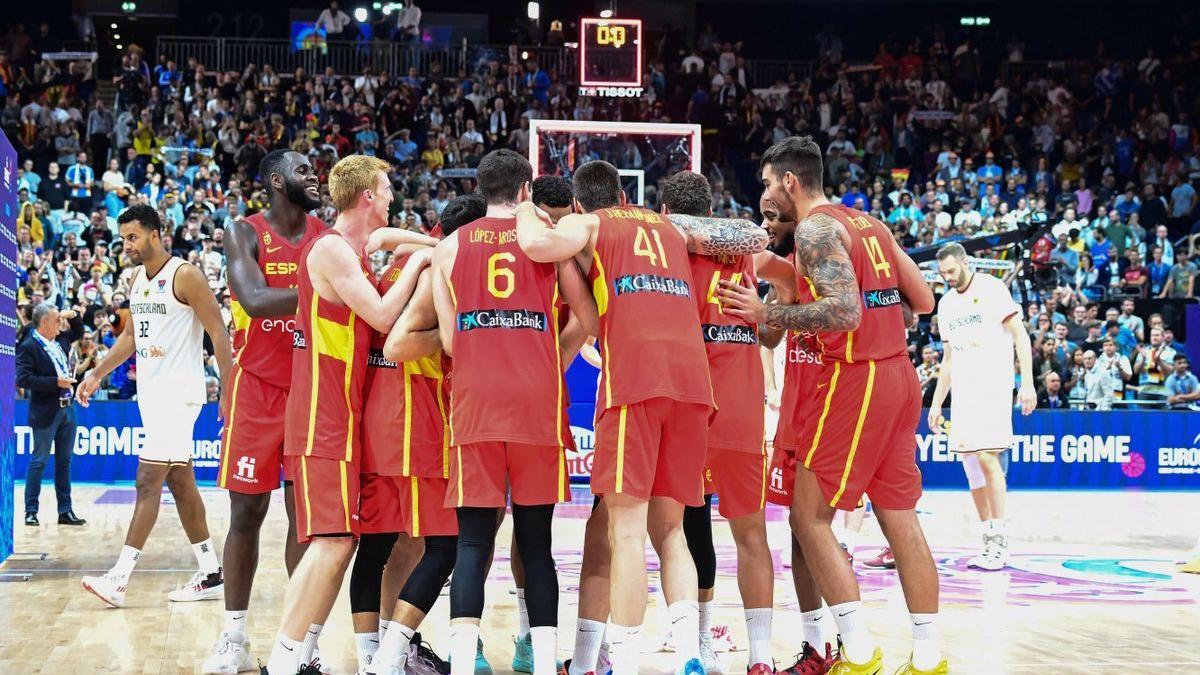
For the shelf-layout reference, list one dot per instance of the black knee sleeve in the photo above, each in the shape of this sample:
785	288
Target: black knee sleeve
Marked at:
476	537
427	578
367	575
697	529
531	527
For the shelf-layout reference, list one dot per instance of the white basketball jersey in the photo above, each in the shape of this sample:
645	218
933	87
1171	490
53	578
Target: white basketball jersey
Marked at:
168	337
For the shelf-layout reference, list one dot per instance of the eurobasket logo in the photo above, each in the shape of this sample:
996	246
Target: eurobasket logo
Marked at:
1185	461
8	172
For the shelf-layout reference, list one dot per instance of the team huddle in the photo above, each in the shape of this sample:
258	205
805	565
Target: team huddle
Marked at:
403	414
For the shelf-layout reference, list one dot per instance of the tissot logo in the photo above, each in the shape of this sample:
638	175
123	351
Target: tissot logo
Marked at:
884	297
651	283
742	335
501	318
375	359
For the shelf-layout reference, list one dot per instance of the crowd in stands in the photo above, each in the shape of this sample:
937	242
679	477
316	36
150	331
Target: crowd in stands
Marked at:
1099	157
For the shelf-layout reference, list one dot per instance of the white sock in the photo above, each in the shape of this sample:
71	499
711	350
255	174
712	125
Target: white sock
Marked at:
285	656
383	629
927	648
392	646
522	613
849	538
310	642
623	648
758	627
811	624
365	645
997	526
235	625
589	635
464	640
125	564
685	630
545	649
706	614
852	628
206	556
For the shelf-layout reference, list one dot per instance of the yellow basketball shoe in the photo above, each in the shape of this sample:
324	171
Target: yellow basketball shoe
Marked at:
872	667
908	669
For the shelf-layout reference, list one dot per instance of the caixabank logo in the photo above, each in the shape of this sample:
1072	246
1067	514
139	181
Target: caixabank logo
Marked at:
501	318
883	297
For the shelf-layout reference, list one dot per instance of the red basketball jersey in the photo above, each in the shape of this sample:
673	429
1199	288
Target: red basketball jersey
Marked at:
801	374
404	408
731	345
650	337
510	386
262	346
329	363
880	334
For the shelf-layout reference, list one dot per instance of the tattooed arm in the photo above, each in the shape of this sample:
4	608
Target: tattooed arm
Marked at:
821	251
707	235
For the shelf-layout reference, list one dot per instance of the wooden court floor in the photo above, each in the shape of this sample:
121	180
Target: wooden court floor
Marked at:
1092	589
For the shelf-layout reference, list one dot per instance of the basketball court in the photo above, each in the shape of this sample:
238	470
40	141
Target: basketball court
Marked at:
1091	588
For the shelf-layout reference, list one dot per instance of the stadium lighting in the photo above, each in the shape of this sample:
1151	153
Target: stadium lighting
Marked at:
606	14
116	36
120	46
112	26
377	6
360	14
534	10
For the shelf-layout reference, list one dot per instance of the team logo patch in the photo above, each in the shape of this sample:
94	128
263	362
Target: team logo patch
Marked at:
375	359
884	297
501	318
298	341
651	283
736	334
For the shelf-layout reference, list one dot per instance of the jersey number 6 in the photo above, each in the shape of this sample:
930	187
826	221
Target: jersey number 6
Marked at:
495	273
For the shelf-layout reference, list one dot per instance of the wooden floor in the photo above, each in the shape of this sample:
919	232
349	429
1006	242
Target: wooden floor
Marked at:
1092	589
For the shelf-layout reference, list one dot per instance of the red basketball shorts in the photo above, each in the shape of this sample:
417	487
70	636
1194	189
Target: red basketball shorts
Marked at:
782	477
252	441
423	511
739	479
861	435
327	493
483	474
379	505
653	448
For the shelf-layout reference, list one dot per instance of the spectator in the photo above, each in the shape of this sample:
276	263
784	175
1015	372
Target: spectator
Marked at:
408	22
1098	385
1130	321
1182	278
80	178
1116	365
332	20
1136	278
1183	389
1051	397
1153	360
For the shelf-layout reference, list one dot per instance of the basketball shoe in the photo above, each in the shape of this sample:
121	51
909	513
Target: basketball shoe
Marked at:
712	665
810	661
229	657
110	588
994	556
692	667
200	587
907	669
884	561
760	669
872	667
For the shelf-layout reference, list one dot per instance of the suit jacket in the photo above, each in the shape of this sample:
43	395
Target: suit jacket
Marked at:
1043	401
36	375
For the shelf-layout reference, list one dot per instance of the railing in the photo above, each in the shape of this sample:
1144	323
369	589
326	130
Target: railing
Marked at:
347	58
764	73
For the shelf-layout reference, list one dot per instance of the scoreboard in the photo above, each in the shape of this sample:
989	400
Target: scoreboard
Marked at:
610	57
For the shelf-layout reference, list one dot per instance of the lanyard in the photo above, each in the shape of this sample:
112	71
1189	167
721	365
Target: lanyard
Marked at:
56	354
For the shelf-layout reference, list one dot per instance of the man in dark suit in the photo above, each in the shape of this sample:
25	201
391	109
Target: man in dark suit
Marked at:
43	371
1052	397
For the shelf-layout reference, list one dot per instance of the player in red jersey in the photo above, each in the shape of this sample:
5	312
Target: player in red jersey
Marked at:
397	426
498	320
860	436
263	250
404	425
736	461
338	306
655	394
